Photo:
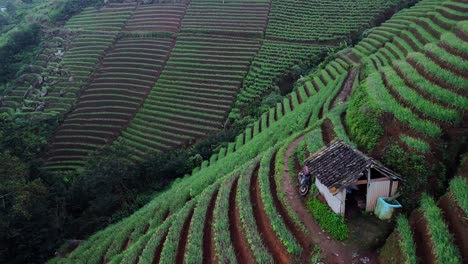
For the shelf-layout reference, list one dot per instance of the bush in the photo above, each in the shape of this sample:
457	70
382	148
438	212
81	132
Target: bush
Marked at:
17	50
330	222
413	167
363	120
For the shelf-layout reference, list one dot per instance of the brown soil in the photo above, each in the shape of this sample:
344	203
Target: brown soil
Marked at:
454	51
430	77
301	237
446	65
272	242
421	238
343	121
158	250
181	249
238	239
328	132
415	87
346	88
208	243
405	103
145	230
457	223
126	243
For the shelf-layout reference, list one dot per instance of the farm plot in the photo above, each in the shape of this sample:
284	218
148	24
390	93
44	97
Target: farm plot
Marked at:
193	94
321	20
232	17
60	74
427	90
392	28
156	17
124	79
273	62
111	18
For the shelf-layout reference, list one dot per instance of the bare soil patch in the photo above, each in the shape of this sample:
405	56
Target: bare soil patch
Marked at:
457	223
239	241
421	238
272	242
208	243
181	249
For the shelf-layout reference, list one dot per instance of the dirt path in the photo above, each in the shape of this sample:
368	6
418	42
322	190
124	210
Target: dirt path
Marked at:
329	247
334	251
457	223
421	238
208	243
298	233
158	250
328	131
272	243
346	88
238	239
183	240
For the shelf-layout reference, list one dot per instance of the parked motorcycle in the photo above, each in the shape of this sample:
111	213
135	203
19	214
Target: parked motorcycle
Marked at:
304	183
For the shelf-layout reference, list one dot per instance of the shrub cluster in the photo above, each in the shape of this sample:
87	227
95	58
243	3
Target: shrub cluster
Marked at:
330	222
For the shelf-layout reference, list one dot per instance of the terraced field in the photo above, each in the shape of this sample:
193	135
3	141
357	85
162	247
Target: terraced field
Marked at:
274	61
434	232
111	18
156	17
125	78
193	94
215	45
62	69
242	206
300	20
238	18
419	79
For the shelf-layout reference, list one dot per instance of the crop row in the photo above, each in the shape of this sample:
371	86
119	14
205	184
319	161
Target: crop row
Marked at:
273	62
156	18
190	101
226	162
103	103
104	19
301	20
233	17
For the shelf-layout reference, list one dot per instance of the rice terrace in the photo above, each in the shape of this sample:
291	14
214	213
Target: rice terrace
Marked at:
234	131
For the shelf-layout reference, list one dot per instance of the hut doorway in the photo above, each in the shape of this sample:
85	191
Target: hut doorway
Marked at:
356	197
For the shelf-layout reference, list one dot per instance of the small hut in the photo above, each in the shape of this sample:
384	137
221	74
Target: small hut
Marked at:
347	177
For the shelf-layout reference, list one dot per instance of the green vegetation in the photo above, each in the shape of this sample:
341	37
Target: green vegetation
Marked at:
443	245
247	217
329	221
406	241
154	198
415	143
277	222
363	119
458	187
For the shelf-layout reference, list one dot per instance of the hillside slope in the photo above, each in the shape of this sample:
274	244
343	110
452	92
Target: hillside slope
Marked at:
239	207
208	59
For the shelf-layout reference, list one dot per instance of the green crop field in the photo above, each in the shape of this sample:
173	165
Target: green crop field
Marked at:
241	188
166	76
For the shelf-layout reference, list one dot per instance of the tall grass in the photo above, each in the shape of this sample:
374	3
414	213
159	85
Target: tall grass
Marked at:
406	243
459	188
415	143
443	245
